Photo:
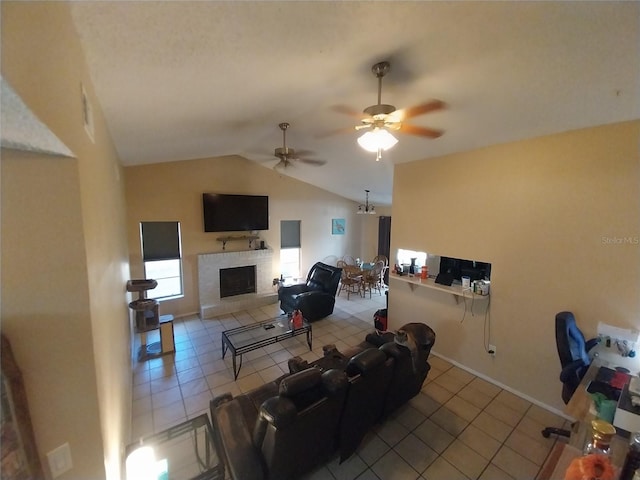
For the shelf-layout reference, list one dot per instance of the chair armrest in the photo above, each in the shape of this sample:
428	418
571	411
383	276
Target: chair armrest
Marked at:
570	370
243	460
293	289
591	343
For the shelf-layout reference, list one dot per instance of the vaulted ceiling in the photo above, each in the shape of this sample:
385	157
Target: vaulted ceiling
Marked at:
181	80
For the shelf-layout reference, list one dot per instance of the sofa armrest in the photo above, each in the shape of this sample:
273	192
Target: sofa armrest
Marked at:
242	459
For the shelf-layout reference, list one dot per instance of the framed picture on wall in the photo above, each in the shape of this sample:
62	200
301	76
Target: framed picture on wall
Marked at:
20	458
337	226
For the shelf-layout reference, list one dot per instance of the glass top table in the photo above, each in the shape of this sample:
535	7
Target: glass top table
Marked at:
187	451
251	337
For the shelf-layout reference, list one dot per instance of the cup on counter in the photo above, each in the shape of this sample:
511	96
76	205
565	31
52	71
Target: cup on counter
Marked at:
466	282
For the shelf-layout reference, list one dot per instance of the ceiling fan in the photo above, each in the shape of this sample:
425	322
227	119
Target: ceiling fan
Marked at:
288	155
380	118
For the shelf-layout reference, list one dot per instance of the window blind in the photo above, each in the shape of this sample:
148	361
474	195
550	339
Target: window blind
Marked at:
160	240
290	234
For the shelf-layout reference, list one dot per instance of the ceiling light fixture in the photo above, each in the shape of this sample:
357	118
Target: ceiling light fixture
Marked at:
377	140
366	208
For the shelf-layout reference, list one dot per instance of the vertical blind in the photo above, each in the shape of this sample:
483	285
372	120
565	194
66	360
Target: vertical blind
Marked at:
290	234
160	240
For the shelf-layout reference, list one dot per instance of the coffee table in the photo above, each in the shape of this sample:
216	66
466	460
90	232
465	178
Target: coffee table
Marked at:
251	337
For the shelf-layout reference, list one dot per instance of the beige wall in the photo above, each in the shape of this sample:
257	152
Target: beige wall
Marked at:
538	210
173	192
64	252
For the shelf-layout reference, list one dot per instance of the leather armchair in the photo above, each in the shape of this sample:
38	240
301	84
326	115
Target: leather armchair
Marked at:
316	297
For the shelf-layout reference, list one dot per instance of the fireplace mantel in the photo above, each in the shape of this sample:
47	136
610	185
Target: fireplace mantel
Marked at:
209	265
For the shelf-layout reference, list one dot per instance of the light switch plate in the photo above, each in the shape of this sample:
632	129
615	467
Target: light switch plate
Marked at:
60	460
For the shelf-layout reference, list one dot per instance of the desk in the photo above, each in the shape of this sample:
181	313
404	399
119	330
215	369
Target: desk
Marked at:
581	408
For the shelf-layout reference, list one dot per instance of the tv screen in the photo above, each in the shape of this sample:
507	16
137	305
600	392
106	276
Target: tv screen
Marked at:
234	213
459	268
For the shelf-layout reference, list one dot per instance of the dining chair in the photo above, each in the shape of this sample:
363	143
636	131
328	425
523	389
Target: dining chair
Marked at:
349	260
372	279
349	280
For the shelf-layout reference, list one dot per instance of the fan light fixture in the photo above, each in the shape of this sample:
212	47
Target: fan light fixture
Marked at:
366	208
377	140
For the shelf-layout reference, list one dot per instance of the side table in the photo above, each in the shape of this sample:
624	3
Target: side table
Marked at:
185	451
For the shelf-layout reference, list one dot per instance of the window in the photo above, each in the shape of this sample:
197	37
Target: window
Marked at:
162	257
290	248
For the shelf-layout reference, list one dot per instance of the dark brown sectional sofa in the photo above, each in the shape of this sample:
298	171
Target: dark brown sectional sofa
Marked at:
286	428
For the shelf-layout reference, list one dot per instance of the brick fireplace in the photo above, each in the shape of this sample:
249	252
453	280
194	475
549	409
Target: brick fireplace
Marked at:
209	266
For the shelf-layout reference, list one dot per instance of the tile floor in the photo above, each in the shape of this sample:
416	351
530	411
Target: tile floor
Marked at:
459	427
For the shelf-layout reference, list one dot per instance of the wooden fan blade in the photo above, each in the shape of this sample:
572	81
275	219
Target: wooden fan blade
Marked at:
336	132
346	110
312	161
304	153
430	106
421	131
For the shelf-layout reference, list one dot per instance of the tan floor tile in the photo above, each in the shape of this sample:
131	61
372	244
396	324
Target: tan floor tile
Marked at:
494	473
515	464
391	431
249	382
504	413
425	404
194	387
466	460
481	442
492	426
415	452
448	420
528	447
271	373
372	448
408	416
462	408
166	397
439	363
485	387
449	382
441	469
461	374
437	393
544	417
513	401
434	436
474	396
391	465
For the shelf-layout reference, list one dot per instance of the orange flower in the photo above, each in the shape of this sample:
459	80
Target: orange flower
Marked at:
590	467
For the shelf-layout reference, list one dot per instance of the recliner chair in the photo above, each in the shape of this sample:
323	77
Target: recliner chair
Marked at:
315	298
574	358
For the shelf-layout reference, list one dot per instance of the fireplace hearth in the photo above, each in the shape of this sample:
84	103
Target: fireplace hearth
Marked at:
212	301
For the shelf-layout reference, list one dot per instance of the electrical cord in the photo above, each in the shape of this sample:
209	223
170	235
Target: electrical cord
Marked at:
487	327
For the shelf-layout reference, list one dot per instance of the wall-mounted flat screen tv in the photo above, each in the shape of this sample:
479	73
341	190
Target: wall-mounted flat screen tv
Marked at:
235	213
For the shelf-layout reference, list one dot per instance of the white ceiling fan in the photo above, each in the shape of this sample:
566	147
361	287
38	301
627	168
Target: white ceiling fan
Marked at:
379	119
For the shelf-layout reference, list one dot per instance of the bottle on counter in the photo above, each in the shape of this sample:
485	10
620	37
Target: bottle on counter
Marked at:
632	460
601	435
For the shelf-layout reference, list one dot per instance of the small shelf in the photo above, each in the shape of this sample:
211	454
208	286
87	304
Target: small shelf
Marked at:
455	290
233	238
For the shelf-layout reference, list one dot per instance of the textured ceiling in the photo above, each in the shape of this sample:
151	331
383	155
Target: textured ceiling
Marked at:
180	80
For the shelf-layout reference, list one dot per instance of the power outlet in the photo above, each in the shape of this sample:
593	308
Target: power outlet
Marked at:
492	350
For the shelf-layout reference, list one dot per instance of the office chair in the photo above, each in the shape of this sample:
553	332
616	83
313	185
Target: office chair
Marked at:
574	360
